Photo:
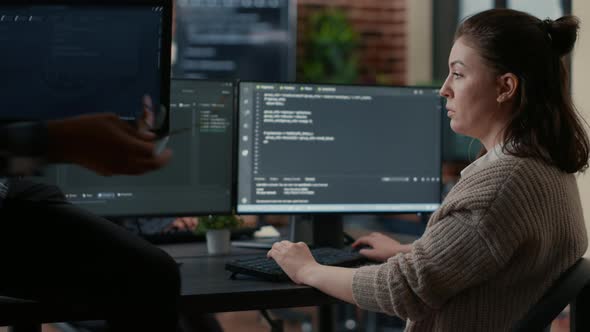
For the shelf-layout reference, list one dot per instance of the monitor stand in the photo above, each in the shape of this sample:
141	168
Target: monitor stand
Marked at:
318	230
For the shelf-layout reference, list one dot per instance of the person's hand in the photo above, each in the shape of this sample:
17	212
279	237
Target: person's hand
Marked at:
104	144
293	258
183	223
382	246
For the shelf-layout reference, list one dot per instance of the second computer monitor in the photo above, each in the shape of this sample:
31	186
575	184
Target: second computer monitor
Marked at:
198	179
306	148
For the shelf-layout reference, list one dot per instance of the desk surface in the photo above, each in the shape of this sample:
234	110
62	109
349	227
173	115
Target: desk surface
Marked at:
207	287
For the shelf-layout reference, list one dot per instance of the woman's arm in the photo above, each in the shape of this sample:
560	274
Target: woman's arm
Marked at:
450	257
334	281
297	261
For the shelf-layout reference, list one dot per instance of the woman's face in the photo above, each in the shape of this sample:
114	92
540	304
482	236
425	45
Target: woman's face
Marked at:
471	93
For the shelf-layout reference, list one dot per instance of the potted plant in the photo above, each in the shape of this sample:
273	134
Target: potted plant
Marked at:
217	230
330	49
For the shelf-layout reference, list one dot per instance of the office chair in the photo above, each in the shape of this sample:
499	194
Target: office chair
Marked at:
572	287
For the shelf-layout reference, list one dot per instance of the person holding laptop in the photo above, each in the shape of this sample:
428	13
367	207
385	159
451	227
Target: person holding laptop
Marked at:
72	83
57	253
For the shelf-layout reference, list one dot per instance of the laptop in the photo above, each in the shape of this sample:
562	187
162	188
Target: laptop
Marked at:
62	58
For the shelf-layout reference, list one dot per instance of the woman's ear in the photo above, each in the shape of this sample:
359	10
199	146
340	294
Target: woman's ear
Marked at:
507	85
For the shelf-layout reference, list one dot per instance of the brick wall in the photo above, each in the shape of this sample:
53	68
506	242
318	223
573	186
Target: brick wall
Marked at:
381	25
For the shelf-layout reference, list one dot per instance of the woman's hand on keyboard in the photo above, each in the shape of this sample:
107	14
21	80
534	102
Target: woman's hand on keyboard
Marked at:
382	247
293	258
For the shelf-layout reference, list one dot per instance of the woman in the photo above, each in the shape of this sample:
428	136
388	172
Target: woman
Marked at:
514	222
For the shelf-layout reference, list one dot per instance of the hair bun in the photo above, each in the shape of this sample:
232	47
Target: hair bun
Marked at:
563	33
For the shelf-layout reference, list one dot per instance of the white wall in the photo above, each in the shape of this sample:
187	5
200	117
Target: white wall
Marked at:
581	89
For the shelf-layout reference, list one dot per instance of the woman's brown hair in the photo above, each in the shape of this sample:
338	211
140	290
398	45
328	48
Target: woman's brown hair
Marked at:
545	123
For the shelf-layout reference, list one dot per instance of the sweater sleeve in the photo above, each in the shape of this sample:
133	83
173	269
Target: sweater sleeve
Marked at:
450	257
475	234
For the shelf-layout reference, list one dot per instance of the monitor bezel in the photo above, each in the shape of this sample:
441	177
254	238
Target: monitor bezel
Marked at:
371	212
166	39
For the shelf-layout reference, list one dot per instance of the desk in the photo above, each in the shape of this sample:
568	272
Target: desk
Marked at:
206	286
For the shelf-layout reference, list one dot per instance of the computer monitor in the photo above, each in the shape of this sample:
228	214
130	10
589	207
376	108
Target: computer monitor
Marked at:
198	179
235	39
62	58
309	148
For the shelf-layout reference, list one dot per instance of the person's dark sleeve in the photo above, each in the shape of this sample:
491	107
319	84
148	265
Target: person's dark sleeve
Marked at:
23	147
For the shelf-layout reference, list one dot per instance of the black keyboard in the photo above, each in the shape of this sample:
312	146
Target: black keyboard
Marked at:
266	268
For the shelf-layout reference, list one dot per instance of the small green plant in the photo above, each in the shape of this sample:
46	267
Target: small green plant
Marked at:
218	222
330	45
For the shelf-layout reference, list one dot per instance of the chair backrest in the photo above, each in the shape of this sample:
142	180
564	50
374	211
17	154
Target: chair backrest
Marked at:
572	287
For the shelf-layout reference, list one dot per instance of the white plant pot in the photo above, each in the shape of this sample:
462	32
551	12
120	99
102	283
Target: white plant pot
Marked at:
218	241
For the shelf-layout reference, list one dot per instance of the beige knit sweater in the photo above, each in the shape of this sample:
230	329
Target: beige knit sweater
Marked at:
503	234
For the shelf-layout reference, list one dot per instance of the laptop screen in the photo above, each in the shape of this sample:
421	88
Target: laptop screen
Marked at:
65	58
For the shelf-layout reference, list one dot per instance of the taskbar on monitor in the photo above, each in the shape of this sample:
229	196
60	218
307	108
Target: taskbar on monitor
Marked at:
346	208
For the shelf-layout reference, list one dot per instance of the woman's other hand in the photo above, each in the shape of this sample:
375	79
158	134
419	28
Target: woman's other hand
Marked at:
382	247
